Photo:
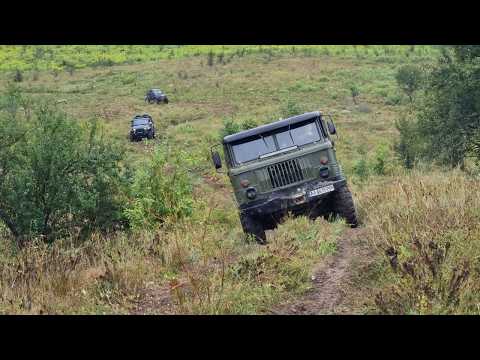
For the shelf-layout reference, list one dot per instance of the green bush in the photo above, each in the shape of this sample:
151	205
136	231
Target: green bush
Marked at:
354	92
394	99
232	127
446	124
408	146
59	177
409	79
229	127
161	191
381	160
361	170
18	76
249	124
291	108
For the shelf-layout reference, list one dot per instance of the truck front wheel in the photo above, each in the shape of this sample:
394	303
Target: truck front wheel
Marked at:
342	204
252	226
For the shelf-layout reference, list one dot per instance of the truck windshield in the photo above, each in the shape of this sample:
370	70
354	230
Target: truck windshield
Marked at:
284	138
140	121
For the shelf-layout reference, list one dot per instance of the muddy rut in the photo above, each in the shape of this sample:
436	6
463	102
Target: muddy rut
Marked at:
332	279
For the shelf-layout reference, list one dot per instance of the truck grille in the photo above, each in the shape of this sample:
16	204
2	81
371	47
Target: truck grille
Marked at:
285	173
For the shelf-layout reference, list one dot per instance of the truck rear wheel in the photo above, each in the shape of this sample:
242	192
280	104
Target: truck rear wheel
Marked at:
252	226
342	204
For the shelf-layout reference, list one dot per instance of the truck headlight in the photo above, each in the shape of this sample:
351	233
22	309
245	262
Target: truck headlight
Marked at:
251	193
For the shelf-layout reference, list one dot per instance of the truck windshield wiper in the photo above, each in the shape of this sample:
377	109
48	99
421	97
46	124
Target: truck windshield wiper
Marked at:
290	133
264	141
278	152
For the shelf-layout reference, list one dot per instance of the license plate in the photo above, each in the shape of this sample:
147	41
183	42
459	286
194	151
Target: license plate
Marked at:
320	191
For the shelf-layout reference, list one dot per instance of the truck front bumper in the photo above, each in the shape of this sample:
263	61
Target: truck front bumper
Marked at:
287	200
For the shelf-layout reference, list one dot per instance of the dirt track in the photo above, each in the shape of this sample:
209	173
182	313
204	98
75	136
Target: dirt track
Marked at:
331	283
331	279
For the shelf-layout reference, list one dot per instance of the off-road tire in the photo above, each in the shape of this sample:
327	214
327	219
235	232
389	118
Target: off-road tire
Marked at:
343	206
166	100
253	227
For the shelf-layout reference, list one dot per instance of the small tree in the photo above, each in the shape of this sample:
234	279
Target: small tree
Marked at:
409	78
445	127
355	92
210	58
18	76
61	177
220	58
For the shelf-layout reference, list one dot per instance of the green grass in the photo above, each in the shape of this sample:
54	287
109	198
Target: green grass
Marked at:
61	57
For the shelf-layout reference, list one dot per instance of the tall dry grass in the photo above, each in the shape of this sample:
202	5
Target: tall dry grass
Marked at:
425	228
204	266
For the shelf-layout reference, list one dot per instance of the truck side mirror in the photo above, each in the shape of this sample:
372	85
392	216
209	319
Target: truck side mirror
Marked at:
331	128
217	161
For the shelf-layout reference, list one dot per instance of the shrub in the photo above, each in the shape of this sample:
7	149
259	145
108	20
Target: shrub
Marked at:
381	160
210	58
249	124
408	146
103	62
18	76
360	169
354	92
447	122
393	99
59	178
11	102
229	127
409	78
291	108
69	67
446	127
161	191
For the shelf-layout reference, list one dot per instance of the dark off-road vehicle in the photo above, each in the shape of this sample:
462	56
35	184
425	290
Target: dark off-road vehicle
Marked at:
156	96
288	166
142	127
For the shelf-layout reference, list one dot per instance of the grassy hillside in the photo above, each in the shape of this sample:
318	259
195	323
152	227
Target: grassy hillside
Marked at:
61	57
202	264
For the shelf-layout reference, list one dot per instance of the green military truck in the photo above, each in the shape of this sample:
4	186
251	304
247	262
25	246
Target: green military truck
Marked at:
288	166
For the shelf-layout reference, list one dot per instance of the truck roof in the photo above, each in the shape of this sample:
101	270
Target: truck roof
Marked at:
270	127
